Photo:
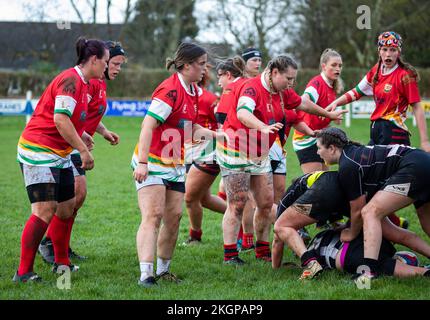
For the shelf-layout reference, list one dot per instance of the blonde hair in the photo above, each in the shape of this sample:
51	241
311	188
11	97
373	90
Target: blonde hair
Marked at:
325	57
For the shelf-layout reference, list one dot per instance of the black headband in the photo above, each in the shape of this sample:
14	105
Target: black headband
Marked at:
251	53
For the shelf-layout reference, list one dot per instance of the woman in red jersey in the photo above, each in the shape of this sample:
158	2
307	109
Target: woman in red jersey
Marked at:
321	90
96	110
393	84
158	161
252	128
202	167
44	149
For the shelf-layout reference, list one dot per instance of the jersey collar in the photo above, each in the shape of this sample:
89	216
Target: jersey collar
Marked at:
263	82
386	72
326	80
79	71
188	89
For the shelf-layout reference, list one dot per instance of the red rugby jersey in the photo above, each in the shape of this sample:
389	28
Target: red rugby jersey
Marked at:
67	94
175	106
322	94
393	93
207	104
254	95
229	96
97	105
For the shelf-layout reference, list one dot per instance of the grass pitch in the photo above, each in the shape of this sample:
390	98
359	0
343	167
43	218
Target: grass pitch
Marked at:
106	226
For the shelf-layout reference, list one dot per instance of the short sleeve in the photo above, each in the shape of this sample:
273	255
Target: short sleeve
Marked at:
67	94
247	99
162	104
312	92
291	99
365	87
410	89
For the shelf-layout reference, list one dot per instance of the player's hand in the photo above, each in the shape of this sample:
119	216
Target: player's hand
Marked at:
88	140
272	128
112	137
337	114
87	160
141	172
331	107
346	235
425	146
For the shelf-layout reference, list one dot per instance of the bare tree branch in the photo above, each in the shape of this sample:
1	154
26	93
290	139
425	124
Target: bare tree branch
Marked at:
77	11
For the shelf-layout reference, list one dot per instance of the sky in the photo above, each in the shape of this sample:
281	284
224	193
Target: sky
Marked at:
53	11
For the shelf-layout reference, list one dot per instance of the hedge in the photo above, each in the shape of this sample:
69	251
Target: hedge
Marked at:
140	83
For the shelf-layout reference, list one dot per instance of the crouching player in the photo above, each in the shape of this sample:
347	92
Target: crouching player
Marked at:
318	197
332	253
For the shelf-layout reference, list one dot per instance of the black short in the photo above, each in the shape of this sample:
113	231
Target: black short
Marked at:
355	254
174	186
62	190
212	169
77	163
274	164
321	201
385	132
220	117
309	155
412	179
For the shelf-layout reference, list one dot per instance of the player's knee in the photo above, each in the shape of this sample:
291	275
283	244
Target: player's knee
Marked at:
369	211
80	198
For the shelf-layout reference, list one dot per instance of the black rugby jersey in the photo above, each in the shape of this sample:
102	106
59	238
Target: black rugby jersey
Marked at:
364	169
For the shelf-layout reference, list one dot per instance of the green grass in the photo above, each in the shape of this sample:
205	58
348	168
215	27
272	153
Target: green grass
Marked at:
105	231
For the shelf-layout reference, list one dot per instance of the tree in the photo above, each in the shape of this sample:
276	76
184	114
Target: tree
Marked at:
157	29
256	23
333	23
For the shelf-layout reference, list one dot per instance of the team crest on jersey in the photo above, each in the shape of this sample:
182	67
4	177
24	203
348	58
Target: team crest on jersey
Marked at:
407	79
268	105
69	85
83	116
172	95
387	87
184	108
89	97
250	92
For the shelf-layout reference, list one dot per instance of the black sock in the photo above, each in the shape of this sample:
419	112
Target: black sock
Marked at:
373	265
308	256
427	273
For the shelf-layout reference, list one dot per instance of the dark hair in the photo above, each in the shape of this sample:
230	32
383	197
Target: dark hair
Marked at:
85	48
335	136
235	65
187	52
282	62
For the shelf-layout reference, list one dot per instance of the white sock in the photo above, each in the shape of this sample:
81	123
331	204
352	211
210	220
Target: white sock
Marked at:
162	265
146	270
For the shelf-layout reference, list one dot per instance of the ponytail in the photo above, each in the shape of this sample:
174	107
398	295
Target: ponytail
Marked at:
85	48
